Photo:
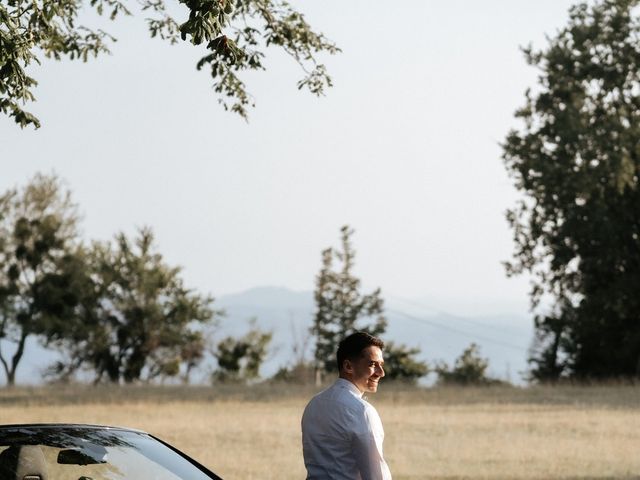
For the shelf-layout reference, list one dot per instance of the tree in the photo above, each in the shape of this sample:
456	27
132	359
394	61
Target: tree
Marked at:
469	369
577	229
38	240
136	320
400	363
340	307
235	35
239	359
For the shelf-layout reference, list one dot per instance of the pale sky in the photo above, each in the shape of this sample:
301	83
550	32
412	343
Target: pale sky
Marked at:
405	149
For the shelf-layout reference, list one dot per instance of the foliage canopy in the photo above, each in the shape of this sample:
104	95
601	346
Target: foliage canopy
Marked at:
239	359
468	369
235	35
400	363
137	320
38	241
576	159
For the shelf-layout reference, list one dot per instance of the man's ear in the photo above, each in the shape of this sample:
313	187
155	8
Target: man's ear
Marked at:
347	366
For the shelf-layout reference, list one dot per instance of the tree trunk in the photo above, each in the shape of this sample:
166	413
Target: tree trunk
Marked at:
11	377
10	370
5	366
15	360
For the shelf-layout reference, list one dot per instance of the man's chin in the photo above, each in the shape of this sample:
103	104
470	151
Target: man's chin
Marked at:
372	387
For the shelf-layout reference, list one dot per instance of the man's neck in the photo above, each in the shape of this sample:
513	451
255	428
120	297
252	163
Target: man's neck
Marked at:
351	382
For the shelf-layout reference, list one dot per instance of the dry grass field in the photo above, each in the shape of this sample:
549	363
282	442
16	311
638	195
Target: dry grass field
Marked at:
253	433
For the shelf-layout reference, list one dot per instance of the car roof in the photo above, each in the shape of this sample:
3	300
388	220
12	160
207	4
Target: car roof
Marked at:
68	425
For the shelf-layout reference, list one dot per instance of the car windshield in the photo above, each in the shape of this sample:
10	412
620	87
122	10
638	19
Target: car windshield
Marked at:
88	453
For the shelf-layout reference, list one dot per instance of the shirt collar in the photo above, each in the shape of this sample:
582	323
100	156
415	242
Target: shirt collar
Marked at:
343	383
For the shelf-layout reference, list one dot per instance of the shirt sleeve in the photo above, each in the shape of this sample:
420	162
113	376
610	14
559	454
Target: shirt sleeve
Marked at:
367	450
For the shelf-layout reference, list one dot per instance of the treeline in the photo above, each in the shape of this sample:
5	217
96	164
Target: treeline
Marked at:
116	310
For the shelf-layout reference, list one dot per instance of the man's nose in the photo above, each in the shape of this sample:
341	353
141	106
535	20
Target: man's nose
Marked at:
380	371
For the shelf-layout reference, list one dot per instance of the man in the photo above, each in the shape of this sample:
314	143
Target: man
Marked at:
341	432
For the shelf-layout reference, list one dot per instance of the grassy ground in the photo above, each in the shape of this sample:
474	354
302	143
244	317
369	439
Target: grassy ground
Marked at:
250	433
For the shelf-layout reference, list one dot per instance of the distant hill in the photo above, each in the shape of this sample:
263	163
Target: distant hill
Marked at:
268	297
503	338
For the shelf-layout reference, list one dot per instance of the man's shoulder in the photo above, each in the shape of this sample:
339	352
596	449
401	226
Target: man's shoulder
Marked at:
338	397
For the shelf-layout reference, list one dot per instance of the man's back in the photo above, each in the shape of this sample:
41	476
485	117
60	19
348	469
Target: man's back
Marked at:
342	436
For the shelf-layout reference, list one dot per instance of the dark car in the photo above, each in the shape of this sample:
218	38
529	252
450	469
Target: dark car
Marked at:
91	452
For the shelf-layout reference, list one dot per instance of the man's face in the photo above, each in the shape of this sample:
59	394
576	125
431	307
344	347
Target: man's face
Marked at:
366	371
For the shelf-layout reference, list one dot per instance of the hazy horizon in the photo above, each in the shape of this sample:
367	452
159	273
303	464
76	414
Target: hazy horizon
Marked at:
440	334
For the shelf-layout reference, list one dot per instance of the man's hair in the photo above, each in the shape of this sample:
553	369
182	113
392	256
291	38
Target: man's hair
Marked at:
353	345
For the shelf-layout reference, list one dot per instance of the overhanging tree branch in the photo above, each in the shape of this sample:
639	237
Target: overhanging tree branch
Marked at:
50	26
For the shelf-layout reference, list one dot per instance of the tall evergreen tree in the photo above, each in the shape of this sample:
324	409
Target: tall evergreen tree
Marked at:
341	308
576	159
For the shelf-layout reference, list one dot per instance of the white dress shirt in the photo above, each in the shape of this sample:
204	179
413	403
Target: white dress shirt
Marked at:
342	436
